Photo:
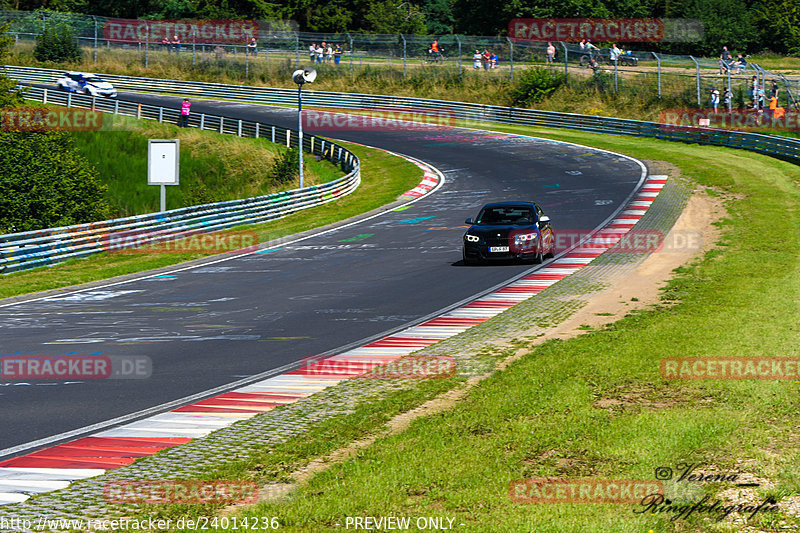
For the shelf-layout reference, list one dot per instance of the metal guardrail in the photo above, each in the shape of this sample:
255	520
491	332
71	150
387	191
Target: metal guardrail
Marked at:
773	145
31	249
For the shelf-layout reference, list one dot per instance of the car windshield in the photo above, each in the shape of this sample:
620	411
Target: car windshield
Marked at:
505	215
93	79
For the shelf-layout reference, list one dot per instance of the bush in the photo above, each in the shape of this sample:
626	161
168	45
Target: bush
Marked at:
533	86
57	43
45	183
285	166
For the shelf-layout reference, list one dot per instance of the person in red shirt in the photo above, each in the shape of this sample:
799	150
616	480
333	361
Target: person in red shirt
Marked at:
186	109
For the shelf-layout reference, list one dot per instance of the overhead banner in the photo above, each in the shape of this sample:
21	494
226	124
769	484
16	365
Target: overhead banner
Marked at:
187	31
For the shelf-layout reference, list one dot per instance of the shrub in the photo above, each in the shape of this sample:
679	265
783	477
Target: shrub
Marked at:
285	166
533	86
57	43
45	183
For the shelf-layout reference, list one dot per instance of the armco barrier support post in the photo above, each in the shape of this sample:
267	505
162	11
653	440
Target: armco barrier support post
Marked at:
273	134
138	111
257	124
511	58
116	107
161	114
658	59
94	101
566	59
202	121
697	78
69	100
44	96
239	128
221	123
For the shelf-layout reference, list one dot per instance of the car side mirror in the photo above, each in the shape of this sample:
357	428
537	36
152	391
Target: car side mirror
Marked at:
544	219
469	221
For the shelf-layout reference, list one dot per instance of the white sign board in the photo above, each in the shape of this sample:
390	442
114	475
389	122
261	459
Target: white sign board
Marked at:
162	161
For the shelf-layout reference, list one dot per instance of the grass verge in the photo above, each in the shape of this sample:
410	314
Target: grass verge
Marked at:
383	178
214	167
596	406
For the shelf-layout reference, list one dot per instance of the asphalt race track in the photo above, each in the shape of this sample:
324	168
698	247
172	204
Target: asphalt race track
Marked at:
208	326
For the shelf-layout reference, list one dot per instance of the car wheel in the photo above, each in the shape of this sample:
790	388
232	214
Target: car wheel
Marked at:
467	260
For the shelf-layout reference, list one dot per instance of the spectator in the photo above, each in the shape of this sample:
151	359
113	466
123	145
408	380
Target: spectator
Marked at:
724	60
312	52
337	55
773	105
741	64
583	45
320	52
760	104
329	53
774	89
551	53
715	99
186	107
476	59
252	47
176	43
495	60
165	44
614	54
487	59
754	91
727	100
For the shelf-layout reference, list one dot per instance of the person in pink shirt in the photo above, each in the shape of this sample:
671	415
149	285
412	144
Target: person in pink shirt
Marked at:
186	109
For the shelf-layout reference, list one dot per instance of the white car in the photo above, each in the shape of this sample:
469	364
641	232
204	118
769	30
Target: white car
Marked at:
85	83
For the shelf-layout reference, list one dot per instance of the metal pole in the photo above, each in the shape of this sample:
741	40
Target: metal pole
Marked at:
511	57
296	50
616	62
246	63
404	54
351	51
194	45
566	58
95	38
300	128
163	197
697	77
658	59
44	24
146	45
459	54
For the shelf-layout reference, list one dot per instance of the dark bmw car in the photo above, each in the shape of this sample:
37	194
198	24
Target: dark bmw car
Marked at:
506	231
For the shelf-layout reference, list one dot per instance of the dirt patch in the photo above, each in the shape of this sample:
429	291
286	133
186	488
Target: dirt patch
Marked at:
642	287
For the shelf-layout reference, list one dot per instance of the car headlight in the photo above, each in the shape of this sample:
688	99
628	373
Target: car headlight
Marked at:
523	238
471	238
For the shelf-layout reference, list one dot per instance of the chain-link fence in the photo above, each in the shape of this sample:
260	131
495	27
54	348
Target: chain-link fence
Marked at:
252	48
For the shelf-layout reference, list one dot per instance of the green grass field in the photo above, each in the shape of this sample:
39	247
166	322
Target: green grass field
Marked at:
548	414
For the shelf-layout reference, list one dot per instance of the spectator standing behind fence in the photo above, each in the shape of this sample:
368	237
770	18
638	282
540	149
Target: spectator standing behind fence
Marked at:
176	43
487	59
727	100
476	60
773	105
774	89
583	45
312	51
724	60
186	109
715	99
165	44
741	64
337	55
320	52
495	60
329	53
613	55
252	47
551	53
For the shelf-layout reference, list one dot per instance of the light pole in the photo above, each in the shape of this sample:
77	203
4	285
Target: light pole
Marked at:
301	76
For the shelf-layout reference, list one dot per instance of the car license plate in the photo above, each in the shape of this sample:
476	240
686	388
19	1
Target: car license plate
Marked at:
498	248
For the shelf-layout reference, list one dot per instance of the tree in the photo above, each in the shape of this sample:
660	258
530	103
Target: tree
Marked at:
779	21
439	17
57	43
10	95
395	16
